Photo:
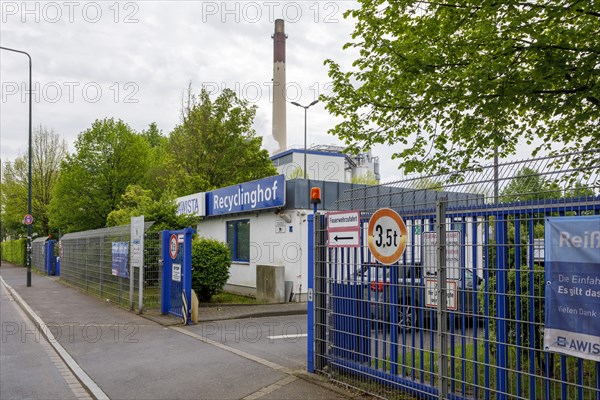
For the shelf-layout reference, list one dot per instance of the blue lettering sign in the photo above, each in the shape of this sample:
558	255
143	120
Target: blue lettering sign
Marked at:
249	196
572	273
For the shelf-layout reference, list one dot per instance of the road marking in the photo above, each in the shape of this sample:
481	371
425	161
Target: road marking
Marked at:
295	336
81	375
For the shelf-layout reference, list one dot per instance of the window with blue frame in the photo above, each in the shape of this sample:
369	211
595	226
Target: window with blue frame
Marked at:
238	239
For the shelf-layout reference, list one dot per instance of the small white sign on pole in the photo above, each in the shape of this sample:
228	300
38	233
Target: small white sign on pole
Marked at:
137	242
136	256
453	254
176	273
343	228
431	293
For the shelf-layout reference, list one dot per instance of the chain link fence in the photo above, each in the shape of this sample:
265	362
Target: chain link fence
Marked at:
87	262
461	314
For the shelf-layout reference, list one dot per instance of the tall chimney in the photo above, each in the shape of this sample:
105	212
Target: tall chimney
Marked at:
279	100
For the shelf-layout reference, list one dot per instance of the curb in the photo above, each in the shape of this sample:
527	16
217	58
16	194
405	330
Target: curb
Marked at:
81	375
258	314
317	379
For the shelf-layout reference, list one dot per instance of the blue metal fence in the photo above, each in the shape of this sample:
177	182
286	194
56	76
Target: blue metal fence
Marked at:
376	327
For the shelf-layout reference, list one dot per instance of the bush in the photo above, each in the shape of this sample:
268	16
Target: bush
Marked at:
527	315
15	251
210	267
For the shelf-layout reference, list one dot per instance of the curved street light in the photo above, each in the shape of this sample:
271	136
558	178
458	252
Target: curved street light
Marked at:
29	227
305	109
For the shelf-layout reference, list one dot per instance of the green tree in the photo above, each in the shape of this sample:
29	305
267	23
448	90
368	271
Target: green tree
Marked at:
109	156
529	184
163	212
154	136
48	150
367	179
426	183
14	197
163	173
297	173
215	145
450	81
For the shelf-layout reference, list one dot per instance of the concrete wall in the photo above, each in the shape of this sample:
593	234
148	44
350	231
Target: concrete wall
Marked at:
273	241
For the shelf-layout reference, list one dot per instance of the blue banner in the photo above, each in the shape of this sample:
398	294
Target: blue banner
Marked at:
249	196
120	256
572	273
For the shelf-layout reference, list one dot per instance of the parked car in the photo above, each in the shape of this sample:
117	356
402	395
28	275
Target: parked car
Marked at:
410	291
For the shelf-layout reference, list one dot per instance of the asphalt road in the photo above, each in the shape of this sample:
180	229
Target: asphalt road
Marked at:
281	340
29	366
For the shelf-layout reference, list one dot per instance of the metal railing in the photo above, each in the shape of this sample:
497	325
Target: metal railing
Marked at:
462	313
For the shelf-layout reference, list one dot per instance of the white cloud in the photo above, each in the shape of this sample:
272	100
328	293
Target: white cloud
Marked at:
138	70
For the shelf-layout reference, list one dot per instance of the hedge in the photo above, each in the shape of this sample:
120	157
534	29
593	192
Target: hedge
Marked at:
15	251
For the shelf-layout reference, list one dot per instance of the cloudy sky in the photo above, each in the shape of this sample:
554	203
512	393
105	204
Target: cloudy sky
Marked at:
133	60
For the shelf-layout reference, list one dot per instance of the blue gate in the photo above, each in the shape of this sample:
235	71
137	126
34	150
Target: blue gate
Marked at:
177	273
49	259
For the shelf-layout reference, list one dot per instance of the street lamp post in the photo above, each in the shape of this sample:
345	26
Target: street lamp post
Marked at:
305	109
29	227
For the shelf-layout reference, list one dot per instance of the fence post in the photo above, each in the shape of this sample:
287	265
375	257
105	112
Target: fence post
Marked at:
320	294
131	285
165	289
310	362
442	305
501	227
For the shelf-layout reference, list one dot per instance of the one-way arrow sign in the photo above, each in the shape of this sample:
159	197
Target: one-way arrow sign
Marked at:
343	228
338	238
344	239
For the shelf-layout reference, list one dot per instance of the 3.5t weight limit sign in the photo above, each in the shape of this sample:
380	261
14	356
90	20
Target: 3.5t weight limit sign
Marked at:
387	236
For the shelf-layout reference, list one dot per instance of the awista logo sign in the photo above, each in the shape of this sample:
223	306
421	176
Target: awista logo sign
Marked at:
193	204
249	196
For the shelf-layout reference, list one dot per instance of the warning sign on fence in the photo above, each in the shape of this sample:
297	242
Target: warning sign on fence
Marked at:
572	273
431	293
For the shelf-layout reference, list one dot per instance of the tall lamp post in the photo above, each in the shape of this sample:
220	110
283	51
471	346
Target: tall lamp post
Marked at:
29	227
305	109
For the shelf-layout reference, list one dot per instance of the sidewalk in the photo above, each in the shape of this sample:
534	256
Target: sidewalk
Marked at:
131	357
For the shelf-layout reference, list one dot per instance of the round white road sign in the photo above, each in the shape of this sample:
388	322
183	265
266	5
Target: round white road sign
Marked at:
387	236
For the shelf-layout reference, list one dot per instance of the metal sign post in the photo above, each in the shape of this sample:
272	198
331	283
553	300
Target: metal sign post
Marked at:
137	256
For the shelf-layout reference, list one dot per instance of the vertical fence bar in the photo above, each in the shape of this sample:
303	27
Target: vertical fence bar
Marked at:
165	287
310	362
395	307
486	306
475	244
518	302
501	306
442	300
532	310
320	296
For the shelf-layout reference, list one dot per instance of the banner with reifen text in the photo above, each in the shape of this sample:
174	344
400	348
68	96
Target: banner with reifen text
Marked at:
572	274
